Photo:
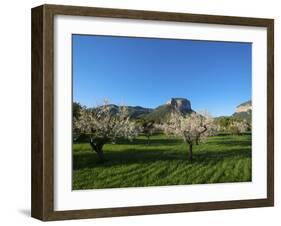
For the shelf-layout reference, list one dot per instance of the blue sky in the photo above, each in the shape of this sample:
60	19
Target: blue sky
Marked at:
147	72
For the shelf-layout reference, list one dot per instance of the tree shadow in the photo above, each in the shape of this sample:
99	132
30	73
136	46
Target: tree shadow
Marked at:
132	156
233	143
151	142
205	156
127	156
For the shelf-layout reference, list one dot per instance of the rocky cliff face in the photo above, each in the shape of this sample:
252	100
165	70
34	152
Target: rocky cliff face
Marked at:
162	112
244	111
244	107
181	104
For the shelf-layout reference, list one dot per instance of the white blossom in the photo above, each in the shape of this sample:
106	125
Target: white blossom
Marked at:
192	128
103	123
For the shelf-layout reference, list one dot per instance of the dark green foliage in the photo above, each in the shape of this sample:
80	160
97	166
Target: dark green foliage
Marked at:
76	107
225	123
164	162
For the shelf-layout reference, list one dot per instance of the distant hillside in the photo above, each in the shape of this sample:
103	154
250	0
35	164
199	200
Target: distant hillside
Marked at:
138	112
159	114
244	111
135	112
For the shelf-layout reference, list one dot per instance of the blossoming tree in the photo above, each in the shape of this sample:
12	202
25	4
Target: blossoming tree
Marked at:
148	128
193	128
103	125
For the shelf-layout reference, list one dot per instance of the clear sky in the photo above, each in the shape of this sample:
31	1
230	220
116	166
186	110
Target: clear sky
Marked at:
149	71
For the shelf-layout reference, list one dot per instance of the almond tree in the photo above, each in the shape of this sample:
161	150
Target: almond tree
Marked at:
193	128
148	128
103	125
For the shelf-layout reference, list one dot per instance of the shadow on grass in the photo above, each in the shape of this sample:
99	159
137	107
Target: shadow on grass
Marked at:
229	134
145	142
232	143
132	156
151	142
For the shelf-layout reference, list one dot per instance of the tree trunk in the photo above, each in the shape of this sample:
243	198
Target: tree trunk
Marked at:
190	152
100	155
97	147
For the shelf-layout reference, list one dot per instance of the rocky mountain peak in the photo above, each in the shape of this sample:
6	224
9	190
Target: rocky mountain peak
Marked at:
244	107
181	104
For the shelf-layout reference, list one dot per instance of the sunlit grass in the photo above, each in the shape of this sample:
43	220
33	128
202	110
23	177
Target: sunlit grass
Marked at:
164	162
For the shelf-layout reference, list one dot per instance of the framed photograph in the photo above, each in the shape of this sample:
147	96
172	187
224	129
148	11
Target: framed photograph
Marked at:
142	112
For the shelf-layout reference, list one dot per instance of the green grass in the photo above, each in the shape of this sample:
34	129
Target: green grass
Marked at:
220	159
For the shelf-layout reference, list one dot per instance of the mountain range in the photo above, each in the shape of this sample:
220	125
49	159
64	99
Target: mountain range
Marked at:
162	112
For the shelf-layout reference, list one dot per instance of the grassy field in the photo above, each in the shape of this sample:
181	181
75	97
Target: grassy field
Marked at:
221	159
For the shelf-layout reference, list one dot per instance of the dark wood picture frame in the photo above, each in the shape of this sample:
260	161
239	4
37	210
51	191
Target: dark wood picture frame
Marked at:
42	203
